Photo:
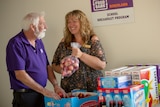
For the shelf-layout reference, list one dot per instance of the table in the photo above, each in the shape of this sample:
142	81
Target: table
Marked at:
153	106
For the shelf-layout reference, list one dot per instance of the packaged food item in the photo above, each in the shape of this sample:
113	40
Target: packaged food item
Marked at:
77	98
70	63
114	81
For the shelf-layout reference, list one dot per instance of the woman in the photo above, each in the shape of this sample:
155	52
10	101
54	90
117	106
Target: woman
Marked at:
91	54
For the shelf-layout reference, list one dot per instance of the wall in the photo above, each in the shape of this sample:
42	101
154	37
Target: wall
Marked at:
130	43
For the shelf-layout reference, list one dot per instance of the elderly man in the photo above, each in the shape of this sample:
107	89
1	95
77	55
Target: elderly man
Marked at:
28	65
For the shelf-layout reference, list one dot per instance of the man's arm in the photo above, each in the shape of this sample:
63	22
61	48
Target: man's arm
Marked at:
22	76
53	80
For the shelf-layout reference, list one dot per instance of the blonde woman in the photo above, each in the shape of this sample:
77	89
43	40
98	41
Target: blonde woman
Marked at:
91	53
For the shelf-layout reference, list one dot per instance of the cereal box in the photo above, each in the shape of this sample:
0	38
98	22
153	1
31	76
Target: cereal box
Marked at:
147	75
109	72
133	96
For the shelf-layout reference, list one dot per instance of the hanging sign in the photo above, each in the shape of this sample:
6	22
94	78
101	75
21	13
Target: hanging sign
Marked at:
108	12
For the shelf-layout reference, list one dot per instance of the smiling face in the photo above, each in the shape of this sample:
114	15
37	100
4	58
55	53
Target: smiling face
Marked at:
77	28
73	25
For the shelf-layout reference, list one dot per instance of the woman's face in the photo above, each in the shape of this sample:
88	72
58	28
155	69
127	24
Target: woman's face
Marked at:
73	25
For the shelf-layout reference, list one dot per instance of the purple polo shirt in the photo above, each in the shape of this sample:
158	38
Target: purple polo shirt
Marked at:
20	55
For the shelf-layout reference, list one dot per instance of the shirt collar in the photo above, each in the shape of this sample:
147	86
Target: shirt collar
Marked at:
24	39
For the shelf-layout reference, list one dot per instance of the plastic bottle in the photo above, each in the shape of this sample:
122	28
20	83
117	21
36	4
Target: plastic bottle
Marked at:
120	104
112	104
108	99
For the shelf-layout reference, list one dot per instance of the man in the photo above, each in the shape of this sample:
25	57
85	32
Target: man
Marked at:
28	65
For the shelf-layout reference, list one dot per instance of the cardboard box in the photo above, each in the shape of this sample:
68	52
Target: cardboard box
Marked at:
129	71
158	75
147	75
119	72
132	96
90	101
158	72
114	81
109	72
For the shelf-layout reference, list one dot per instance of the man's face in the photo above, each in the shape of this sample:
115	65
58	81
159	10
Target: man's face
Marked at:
41	28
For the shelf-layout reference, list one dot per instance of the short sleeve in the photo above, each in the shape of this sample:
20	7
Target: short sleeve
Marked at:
15	56
56	57
60	53
97	50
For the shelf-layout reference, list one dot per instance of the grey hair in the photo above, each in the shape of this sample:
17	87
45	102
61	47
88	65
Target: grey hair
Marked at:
31	18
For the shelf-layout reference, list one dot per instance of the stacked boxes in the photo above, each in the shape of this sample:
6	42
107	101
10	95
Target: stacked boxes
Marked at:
158	75
132	96
108	88
109	73
119	73
145	75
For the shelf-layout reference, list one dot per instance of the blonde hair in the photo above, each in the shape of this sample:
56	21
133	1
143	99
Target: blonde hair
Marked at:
85	27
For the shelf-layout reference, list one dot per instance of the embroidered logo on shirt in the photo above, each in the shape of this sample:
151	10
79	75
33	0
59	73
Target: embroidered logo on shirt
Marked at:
41	50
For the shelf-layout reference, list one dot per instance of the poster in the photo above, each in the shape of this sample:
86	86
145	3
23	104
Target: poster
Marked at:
109	12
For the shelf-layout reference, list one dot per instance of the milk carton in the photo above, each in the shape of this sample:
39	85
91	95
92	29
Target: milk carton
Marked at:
117	96
109	96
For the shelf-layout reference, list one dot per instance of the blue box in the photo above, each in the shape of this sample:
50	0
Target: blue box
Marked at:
114	81
134	96
73	101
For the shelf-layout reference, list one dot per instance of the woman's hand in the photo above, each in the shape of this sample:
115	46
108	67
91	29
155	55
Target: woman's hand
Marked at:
77	52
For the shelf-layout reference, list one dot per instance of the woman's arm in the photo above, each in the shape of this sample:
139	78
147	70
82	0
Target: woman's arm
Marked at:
94	61
56	68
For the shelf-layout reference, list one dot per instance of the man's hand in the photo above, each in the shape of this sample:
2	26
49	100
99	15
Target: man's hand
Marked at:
60	91
51	94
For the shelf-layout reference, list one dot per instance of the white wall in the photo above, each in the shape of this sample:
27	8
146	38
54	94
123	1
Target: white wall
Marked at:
130	43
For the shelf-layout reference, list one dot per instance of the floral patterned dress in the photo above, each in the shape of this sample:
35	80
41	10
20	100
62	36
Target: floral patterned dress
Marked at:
85	77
